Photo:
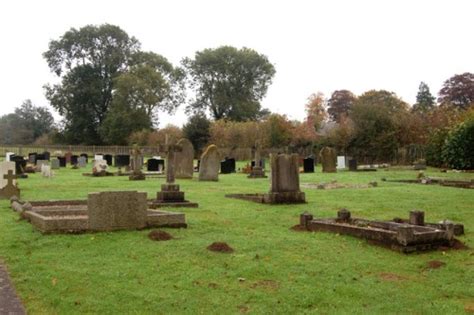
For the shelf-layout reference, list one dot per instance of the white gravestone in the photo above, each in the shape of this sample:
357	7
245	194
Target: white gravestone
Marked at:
341	162
4	168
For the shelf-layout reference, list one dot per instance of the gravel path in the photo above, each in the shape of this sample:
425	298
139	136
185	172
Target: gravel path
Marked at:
10	304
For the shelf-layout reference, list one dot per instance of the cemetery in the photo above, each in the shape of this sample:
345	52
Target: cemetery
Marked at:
237	158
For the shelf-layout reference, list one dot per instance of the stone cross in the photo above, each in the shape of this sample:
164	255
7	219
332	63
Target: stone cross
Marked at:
170	150
136	153
257	154
10	177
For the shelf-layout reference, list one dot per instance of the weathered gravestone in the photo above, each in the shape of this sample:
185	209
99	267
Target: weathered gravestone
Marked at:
98	157
20	164
62	161
116	210
54	164
328	159
257	170
82	161
8	186
47	155
46	171
100	168
122	160
209	165
136	164
8	155
85	156
68	156
184	167
74	159
308	165
40	163
32	157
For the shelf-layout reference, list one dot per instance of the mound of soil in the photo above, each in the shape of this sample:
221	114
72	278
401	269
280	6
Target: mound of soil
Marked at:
220	247
157	235
457	244
298	228
435	264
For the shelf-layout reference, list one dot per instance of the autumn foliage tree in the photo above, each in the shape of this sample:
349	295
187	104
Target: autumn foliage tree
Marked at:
315	110
458	91
340	103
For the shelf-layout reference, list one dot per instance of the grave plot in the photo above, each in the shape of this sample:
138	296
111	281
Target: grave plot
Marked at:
335	185
102	211
285	182
435	181
403	235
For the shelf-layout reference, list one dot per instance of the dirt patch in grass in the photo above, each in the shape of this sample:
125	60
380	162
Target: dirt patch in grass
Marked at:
469	307
243	309
434	264
157	235
265	284
457	244
298	228
388	276
220	247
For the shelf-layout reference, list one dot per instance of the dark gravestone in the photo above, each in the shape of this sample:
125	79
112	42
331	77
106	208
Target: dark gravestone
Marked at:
32	157
62	161
353	165
40	157
108	158
86	156
46	155
197	166
262	163
122	160
152	165
74	159
20	163
308	165
228	166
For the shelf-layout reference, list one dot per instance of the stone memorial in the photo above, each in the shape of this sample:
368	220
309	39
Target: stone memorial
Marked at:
46	155
152	165
136	164
184	159
82	161
308	165
67	156
257	170
40	163
108	158
98	157
122	160
85	156
8	155
32	157
62	161
341	162
55	164
8	184
100	168
228	166
353	165
210	164
74	159
285	182
46	171
20	164
328	159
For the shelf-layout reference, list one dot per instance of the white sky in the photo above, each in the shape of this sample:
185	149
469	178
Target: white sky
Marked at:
314	45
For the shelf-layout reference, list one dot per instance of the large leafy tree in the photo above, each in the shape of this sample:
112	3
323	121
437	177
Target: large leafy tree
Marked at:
340	103
315	110
197	130
229	82
458	91
425	101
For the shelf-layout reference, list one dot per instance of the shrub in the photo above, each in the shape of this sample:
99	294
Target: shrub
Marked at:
458	150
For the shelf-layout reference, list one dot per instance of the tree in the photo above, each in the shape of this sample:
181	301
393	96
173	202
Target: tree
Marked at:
279	130
458	150
340	103
229	82
315	110
424	100
458	91
38	119
197	130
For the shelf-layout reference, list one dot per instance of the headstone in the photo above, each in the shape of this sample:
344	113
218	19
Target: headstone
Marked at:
99	168
184	159
67	156
47	155
341	162
82	161
209	165
62	161
20	163
46	171
353	165
32	157
40	163
40	157
285	180
257	170
308	165
228	166
8	155
98	157
74	159
114	210
86	156
136	164
328	159
55	164
108	158
5	167
122	160
152	165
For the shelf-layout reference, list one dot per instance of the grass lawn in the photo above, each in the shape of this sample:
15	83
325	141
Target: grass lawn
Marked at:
273	269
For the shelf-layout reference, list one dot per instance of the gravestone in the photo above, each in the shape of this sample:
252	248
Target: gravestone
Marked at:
74	159
209	165
55	164
67	156
8	156
82	161
184	159
40	157
136	164
32	157
46	171
115	210
152	165
46	155
341	162
20	163
108	158
228	166
308	165
353	165
257	170
122	160
40	163
98	157
99	168
4	168
328	159
86	156
62	161
9	189
285	180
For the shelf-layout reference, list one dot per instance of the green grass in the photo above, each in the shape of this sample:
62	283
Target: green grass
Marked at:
273	269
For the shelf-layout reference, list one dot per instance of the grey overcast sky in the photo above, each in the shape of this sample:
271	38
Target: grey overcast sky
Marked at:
314	45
